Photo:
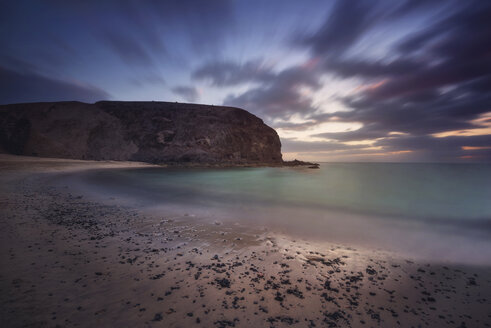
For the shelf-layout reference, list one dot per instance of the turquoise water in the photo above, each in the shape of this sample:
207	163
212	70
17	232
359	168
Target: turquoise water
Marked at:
424	209
423	191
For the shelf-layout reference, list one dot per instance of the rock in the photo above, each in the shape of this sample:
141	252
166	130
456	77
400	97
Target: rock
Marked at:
157	317
296	162
154	132
224	282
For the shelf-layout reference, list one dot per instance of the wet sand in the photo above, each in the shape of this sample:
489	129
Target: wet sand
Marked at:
69	260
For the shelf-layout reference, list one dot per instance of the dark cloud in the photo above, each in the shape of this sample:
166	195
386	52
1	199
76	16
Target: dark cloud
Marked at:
442	149
437	79
445	74
459	18
405	114
18	65
350	21
229	73
346	23
425	148
403	8
432	143
372	69
148	79
282	96
207	24
367	132
188	93
111	42
148	35
294	126
200	25
294	146
32	87
410	90
129	49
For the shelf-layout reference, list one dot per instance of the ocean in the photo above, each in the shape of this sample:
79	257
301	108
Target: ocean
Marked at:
422	210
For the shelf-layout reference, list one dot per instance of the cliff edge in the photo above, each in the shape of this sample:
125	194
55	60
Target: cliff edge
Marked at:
154	132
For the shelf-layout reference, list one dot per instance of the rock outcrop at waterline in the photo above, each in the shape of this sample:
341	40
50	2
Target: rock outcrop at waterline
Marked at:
155	132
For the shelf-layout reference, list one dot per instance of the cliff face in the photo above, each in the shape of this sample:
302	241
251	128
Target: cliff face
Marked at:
156	132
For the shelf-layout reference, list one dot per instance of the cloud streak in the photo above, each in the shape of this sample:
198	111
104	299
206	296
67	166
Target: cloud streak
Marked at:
436	79
32	87
229	73
281	95
188	93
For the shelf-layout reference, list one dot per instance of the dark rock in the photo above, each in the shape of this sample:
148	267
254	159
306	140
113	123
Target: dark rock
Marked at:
157	317
155	132
224	283
295	291
279	297
370	270
296	162
226	323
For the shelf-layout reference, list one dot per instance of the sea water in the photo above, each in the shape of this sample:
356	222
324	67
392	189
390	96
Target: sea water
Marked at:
435	211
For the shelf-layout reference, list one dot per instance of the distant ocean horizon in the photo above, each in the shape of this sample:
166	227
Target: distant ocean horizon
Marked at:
430	210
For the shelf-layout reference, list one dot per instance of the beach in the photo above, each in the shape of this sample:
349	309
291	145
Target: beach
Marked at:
71	259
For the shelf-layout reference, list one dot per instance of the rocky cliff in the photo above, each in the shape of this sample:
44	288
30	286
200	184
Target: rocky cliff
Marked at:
156	132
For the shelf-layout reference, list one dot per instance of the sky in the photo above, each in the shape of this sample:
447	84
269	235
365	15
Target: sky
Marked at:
398	81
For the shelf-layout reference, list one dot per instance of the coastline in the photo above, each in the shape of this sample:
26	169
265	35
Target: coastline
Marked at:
64	259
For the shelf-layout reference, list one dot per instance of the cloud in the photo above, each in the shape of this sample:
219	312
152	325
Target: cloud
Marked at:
32	87
290	126
403	70
405	114
349	22
346	23
128	48
281	96
289	145
416	101
188	93
206	24
436	79
152	26
229	73
432	143
425	148
148	34
372	69
365	133
442	149
148	79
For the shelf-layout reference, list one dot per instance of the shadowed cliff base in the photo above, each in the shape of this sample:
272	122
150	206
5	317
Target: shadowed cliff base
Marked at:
153	132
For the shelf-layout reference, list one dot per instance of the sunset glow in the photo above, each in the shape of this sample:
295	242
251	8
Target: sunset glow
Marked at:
391	78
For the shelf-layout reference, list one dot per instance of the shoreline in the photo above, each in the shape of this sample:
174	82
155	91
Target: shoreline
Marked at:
66	258
131	164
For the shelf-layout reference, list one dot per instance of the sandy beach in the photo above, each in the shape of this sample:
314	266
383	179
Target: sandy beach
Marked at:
69	260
